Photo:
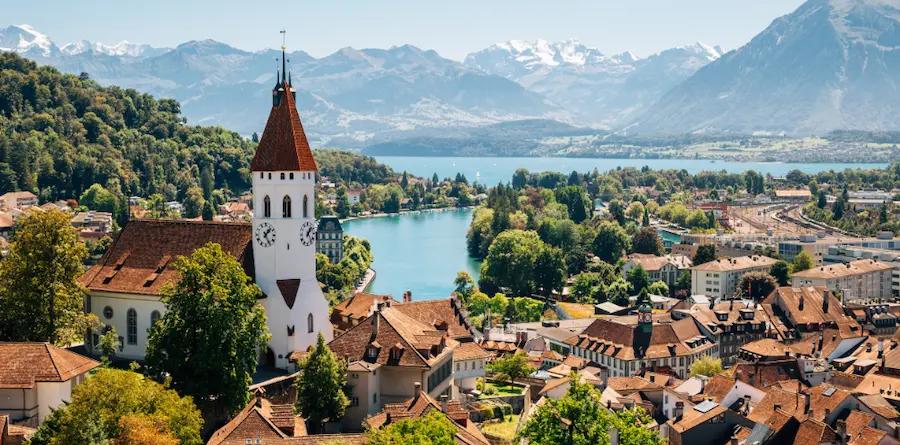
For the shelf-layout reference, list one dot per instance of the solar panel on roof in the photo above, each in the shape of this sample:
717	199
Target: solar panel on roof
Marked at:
829	391
705	406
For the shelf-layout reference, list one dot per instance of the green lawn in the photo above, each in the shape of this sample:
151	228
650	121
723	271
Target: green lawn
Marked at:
504	428
503	389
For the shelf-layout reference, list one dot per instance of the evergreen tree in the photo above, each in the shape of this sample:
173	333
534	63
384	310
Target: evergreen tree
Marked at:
208	211
255	138
207	342
404	181
639	279
320	386
822	200
781	271
520	179
646	220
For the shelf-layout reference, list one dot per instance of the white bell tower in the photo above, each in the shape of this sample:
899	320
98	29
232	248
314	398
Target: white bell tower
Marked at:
284	230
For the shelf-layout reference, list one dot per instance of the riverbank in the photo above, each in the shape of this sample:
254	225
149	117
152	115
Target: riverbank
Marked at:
407	212
366	281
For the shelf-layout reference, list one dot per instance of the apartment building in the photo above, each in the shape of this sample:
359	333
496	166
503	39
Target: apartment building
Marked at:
721	277
857	280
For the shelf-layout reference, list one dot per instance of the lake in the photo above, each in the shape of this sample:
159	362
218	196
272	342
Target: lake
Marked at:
491	171
421	252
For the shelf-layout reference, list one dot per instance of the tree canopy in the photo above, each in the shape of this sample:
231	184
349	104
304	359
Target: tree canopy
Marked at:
433	428
40	296
207	342
115	406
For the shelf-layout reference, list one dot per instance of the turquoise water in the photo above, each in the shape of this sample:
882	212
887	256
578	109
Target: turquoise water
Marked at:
491	171
421	252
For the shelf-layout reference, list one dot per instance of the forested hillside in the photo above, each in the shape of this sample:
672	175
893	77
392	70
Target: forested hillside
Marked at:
61	133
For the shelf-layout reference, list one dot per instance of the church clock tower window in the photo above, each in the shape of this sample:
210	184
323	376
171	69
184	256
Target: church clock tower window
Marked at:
267	207
286	207
305	205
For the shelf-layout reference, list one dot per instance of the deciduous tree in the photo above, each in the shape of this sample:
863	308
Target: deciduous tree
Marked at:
647	241
757	285
208	340
40	296
706	366
705	253
512	366
781	271
611	242
431	429
802	262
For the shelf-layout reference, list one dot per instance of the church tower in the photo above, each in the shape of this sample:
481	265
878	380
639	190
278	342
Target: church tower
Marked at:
284	229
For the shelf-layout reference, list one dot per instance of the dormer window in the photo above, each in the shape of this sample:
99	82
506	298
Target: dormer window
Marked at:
372	352
397	351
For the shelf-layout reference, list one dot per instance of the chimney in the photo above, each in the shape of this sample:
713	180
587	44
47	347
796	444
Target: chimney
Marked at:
444	403
613	436
417	389
880	348
806	406
825	301
376	324
679	410
776	407
802	301
604	376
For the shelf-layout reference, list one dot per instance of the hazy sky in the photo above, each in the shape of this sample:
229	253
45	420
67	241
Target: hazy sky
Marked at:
453	28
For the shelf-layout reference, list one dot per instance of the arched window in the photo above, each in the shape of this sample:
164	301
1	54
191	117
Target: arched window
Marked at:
132	327
154	317
282	176
267	207
305	206
309	323
286	207
292	176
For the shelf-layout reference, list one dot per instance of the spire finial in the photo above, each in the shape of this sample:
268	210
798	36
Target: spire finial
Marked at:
283	57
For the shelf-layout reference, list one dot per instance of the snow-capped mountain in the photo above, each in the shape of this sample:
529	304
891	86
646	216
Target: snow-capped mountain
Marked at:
24	39
347	96
609	90
831	64
121	49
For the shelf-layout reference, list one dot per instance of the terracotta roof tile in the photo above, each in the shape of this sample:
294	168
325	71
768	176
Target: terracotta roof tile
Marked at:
879	405
813	432
819	402
432	311
856	421
764	374
692	418
718	387
739	263
24	364
470	351
422	404
850	269
358	307
283	145
868	436
792	403
140	259
623	385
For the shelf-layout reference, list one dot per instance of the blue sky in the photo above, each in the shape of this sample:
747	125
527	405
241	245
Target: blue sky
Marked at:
453	28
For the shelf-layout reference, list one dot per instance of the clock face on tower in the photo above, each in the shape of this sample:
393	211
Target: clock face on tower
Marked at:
265	234
308	233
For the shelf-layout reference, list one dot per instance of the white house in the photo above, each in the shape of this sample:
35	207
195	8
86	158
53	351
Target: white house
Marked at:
278	249
720	278
469	361
36	378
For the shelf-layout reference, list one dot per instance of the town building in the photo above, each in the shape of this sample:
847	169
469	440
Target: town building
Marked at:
354	310
845	254
330	238
720	278
660	268
37	378
262	422
818	245
277	249
470	361
626	345
797	312
18	200
856	281
93	224
353	195
422	404
730	325
387	354
794	196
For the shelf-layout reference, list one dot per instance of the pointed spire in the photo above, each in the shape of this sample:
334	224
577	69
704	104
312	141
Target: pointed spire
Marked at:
283	64
290	84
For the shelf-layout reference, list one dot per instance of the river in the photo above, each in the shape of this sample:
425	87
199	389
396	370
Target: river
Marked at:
491	171
423	252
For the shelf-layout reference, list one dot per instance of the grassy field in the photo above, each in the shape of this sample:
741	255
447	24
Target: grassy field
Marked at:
503	389
504	428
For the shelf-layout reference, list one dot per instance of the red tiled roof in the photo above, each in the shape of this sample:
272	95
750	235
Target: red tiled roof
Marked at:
466	432
283	145
432	312
470	351
24	364
140	259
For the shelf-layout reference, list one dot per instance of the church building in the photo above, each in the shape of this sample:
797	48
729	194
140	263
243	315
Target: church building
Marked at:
278	249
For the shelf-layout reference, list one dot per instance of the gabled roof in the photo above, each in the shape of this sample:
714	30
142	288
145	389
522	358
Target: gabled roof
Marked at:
733	264
814	432
718	387
24	364
470	351
791	403
141	257
394	330
431	312
283	145
879	405
825	397
615	338
422	404
692	417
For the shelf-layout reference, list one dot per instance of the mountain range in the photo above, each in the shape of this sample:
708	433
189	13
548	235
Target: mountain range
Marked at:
352	95
829	65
